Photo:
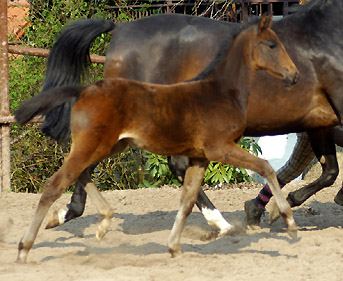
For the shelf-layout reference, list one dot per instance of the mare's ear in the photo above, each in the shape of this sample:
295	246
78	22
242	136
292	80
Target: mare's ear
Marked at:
264	23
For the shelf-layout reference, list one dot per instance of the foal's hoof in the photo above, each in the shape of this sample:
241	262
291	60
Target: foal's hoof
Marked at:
102	228
274	213
57	219
175	252
100	234
22	256
292	232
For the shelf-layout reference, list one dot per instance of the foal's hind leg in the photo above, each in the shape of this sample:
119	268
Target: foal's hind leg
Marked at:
75	208
193	178
78	200
234	155
55	186
82	155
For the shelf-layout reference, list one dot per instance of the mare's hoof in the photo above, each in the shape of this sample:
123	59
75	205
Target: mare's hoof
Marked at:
339	198
232	230
253	213
210	236
57	219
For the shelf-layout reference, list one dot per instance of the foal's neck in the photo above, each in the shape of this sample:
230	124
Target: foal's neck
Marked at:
234	72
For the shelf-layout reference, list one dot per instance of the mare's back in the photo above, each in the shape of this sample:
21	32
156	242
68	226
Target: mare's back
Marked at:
165	48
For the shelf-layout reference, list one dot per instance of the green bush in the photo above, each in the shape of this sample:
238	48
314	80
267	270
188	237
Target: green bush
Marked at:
34	158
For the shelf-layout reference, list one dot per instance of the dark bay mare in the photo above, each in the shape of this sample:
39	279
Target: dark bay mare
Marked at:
172	48
202	119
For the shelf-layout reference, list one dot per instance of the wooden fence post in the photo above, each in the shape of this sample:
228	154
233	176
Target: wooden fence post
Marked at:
5	174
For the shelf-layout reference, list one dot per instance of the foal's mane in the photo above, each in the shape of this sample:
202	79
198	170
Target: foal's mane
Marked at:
222	52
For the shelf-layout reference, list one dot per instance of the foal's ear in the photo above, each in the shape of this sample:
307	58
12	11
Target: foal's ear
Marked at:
264	23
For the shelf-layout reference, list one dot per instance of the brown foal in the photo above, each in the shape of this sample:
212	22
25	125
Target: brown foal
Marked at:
202	119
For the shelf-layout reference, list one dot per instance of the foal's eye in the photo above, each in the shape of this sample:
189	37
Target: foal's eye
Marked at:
272	45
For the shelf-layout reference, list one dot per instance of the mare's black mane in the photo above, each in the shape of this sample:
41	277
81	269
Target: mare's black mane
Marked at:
222	52
299	10
308	6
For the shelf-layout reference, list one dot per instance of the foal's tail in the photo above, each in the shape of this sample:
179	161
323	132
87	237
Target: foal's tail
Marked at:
66	65
46	101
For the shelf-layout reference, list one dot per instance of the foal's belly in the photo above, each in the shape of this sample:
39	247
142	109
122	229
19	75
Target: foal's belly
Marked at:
163	145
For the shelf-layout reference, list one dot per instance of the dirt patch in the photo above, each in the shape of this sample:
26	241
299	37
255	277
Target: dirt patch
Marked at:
135	247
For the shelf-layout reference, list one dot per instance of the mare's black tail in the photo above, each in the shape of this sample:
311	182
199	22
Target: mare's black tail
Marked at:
46	101
66	64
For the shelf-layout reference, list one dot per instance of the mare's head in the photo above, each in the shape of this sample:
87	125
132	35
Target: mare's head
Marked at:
269	54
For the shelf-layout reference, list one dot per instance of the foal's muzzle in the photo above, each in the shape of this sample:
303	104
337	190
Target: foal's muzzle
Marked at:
292	80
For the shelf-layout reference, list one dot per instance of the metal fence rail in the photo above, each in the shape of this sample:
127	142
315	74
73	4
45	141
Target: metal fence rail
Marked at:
237	10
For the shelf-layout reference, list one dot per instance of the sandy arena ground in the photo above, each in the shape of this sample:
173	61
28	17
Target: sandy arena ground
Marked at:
135	247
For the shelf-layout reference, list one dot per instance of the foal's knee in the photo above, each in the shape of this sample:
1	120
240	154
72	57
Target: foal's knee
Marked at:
267	170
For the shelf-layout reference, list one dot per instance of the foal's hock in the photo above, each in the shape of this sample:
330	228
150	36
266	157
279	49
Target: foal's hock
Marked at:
201	119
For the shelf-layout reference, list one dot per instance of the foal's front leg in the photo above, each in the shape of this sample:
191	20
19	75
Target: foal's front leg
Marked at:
236	156
192	183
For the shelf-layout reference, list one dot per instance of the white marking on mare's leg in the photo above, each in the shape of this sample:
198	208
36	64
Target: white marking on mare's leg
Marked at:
215	219
58	218
62	216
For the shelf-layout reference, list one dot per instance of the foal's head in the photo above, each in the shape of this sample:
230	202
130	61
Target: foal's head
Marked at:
269	54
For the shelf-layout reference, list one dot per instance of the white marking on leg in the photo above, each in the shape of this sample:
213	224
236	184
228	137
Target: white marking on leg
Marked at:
62	216
215	219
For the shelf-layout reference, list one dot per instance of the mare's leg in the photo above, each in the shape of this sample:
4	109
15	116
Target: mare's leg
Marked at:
324	148
323	145
238	157
301	157
192	184
338	136
178	166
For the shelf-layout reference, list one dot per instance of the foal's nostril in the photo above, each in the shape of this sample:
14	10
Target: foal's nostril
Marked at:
296	78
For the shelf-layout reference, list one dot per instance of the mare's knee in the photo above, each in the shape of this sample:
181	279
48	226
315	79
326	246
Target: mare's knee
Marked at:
329	176
178	166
